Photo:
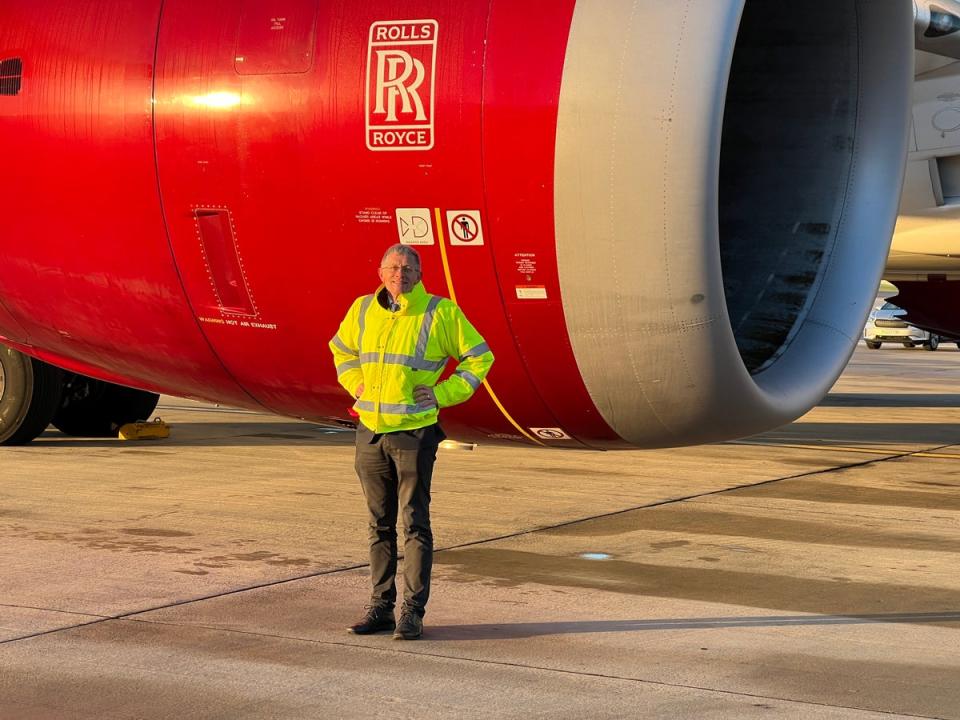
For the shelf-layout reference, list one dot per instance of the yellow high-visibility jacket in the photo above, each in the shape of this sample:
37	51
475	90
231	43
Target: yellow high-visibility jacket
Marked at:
390	352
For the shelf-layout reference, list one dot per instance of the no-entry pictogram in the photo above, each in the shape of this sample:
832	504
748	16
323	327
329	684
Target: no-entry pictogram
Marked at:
464	227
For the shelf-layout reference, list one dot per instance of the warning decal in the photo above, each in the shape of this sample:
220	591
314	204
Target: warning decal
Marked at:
550	434
464	227
531	292
414	226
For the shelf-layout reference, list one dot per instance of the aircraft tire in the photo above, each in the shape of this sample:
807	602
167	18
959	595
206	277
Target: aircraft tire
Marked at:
94	408
29	396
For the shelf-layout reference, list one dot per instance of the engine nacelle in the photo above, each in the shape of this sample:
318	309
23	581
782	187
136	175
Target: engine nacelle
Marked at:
668	219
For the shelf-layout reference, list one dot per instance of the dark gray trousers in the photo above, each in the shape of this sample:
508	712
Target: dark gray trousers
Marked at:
395	471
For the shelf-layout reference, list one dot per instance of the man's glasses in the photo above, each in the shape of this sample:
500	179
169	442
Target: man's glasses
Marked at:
407	270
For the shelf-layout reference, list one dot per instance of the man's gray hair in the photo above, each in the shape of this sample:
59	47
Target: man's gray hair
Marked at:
412	256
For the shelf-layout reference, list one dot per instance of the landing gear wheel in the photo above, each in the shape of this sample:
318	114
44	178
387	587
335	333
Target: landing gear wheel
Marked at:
94	408
872	345
29	396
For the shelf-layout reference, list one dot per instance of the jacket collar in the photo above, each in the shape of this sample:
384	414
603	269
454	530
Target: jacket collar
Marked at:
411	303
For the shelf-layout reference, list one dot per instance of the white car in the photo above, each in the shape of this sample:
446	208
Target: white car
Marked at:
885	325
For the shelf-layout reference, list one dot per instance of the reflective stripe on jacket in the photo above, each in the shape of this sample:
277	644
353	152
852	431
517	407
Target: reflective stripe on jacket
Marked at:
391	352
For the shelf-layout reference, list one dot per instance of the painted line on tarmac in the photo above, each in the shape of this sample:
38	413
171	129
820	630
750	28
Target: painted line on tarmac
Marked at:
56	612
819	448
179	603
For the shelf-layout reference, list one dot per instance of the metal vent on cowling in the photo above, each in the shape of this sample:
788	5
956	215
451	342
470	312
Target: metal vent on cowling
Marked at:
11	73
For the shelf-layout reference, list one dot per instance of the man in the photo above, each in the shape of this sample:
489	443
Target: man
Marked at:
390	350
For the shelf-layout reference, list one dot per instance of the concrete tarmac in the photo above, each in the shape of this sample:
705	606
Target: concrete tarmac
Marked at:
810	572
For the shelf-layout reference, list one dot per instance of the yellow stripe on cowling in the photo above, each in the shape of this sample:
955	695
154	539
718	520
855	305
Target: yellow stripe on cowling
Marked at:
453	296
443	257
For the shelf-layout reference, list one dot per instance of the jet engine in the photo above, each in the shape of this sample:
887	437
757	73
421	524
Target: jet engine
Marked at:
721	241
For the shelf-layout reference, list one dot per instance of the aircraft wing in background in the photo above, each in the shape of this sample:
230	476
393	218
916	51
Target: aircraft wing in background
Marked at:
924	259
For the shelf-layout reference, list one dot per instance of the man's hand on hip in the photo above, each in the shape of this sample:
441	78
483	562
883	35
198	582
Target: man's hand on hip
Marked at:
359	391
424	396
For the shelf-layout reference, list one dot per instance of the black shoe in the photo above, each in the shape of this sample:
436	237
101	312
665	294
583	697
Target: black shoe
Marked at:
410	626
377	619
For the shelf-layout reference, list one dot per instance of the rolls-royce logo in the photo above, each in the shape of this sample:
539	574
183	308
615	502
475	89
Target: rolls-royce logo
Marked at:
401	65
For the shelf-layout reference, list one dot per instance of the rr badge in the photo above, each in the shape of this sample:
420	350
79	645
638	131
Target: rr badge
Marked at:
401	67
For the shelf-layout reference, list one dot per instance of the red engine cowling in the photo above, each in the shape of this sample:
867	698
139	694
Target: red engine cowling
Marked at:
667	219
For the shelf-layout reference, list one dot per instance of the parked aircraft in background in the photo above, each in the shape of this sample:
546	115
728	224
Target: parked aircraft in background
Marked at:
667	218
924	261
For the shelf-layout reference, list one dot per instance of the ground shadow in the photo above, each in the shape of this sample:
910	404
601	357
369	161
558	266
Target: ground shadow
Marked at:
931	434
713	582
518	631
901	400
212	434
